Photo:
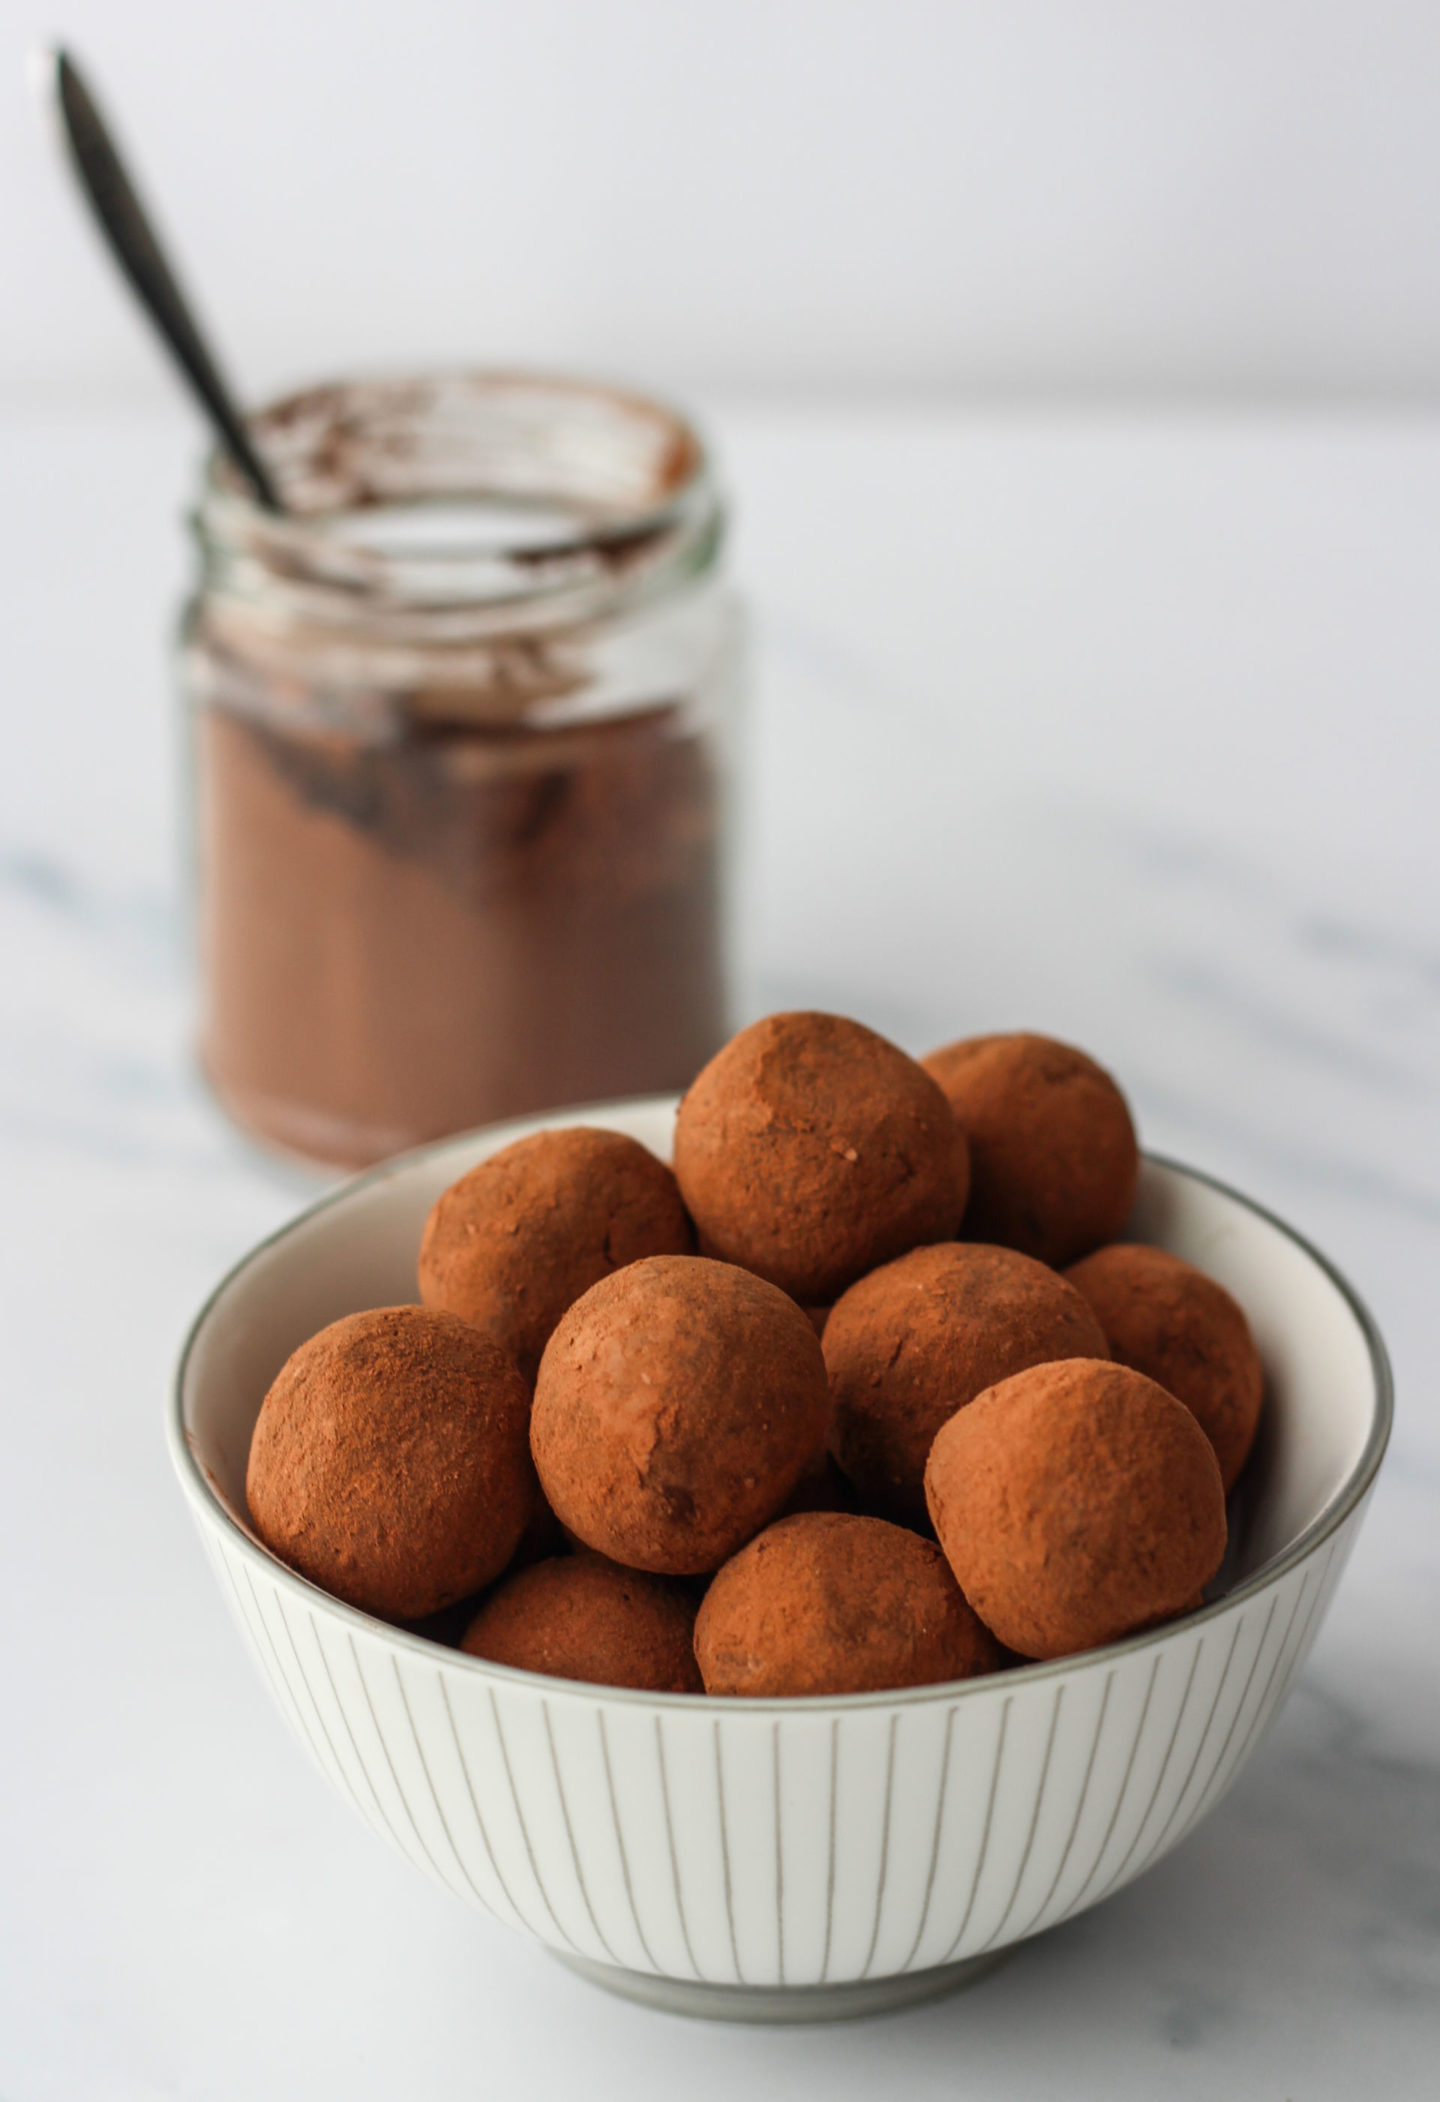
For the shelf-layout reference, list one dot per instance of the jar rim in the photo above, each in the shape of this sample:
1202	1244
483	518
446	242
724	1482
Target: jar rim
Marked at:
562	495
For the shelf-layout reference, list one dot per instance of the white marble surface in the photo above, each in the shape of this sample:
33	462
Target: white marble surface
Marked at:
1122	729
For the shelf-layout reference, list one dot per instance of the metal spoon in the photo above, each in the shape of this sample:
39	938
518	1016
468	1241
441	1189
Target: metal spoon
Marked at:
132	241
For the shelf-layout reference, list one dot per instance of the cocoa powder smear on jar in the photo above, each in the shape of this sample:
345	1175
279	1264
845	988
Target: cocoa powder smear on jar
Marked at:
462	726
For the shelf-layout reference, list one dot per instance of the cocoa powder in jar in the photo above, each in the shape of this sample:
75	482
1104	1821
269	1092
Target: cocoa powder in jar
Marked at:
460	730
403	940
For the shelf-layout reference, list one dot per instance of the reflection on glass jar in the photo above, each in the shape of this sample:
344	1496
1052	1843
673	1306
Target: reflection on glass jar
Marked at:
462	732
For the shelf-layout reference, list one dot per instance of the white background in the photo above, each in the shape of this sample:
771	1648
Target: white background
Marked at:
1229	197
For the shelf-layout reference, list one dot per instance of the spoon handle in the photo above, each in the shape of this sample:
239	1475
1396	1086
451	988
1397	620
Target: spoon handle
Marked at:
132	241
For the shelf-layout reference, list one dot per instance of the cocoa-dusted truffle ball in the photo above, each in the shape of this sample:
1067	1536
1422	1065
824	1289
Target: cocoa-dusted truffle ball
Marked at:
678	1403
515	1242
389	1462
1053	1159
581	1617
1076	1503
1180	1328
829	1603
916	1340
810	1149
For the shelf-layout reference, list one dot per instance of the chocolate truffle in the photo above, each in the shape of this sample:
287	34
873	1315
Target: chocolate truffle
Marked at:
582	1617
1053	1158
919	1338
1076	1503
389	1462
810	1149
515	1242
830	1603
1170	1321
677	1405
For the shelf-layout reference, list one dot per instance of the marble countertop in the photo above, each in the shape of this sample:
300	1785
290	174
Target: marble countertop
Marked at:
1125	728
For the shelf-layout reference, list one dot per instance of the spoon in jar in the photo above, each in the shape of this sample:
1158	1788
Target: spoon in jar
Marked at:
132	241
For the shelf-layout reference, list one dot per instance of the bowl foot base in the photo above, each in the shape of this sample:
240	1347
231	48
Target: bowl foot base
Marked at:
782	2003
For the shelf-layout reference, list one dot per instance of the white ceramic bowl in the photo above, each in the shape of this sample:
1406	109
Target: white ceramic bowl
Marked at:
786	1859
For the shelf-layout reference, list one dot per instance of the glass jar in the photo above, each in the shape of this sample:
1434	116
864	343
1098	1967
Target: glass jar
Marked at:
462	732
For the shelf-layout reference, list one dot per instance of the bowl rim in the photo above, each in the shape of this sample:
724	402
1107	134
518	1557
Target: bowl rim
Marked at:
205	1499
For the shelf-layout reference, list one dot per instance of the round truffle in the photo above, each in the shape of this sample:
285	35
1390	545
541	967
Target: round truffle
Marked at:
581	1617
389	1462
514	1243
677	1405
831	1603
810	1149
1053	1158
1165	1318
916	1340
1076	1503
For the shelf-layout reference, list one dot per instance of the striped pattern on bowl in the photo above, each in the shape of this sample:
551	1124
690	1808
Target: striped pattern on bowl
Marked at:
828	1843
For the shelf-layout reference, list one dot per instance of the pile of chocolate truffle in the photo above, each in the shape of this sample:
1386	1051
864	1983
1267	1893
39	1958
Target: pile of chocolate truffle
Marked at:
865	1393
